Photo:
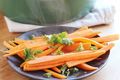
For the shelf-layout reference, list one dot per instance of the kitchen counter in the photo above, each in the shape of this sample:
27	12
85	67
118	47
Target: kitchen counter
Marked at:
111	70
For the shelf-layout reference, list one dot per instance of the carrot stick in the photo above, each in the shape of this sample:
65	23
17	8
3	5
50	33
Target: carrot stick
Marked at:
50	60
93	34
19	41
74	63
80	33
55	74
58	49
56	69
86	46
48	51
70	48
6	44
108	38
82	39
12	43
28	67
77	62
20	48
86	67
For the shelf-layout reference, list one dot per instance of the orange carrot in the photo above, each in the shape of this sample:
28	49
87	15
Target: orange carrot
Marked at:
107	38
6	44
20	48
64	58
56	69
82	39
59	48
47	60
77	62
74	63
93	34
28	67
86	67
55	74
12	43
86	46
48	51
80	33
70	48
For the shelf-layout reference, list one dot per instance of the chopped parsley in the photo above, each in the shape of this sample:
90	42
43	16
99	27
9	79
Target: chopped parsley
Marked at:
59	38
30	54
35	52
93	48
48	75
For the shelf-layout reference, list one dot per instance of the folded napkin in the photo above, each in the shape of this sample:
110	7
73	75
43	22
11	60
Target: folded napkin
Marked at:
102	13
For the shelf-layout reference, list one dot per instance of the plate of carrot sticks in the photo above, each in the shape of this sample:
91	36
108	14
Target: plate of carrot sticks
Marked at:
54	53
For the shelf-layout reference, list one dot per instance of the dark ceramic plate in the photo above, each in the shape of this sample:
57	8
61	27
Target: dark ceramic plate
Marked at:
15	61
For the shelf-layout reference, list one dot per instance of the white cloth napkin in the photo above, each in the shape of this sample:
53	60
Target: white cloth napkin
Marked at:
102	13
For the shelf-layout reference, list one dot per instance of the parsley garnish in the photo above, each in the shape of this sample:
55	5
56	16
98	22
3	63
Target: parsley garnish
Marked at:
59	38
48	75
28	54
93	48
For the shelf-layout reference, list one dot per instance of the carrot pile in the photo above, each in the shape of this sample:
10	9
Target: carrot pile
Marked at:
59	54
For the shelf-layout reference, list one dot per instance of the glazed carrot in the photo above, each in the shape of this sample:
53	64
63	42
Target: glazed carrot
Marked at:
93	34
55	74
69	48
56	69
87	46
59	49
77	62
28	67
108	47
48	51
70	56
80	33
74	63
6	44
19	41
50	60
108	38
82	39
86	67
20	48
12	43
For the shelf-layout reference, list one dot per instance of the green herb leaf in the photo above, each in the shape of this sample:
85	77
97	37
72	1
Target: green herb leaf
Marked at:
63	68
59	38
63	34
74	69
28	54
93	48
67	72
67	41
48	75
80	47
35	52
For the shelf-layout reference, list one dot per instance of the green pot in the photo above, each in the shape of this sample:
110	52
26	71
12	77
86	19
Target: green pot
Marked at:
44	12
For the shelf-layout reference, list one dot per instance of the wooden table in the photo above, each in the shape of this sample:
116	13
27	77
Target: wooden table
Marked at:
110	72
